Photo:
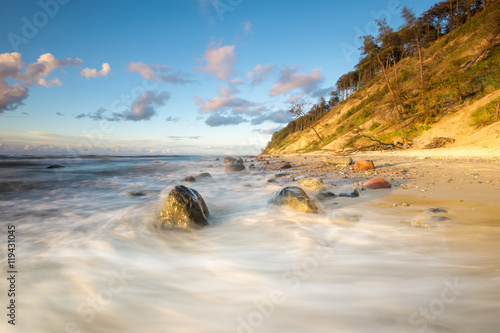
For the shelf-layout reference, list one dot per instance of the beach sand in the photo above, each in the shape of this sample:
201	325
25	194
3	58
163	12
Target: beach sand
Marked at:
465	182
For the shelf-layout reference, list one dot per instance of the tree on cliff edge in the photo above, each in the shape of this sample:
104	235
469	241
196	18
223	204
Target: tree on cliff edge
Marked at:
297	107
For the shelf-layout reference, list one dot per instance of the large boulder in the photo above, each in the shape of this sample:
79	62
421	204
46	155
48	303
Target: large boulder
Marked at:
229	159
295	198
334	161
184	208
236	167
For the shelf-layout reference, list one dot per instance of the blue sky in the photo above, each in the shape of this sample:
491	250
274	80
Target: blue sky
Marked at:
172	76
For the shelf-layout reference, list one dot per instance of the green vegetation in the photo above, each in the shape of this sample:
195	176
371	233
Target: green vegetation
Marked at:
487	114
408	79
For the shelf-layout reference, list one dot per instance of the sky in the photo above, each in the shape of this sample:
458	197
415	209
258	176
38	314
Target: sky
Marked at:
170	77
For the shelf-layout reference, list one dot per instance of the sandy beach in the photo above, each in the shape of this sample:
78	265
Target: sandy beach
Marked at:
465	182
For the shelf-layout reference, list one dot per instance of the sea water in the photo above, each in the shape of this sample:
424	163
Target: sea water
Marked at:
89	259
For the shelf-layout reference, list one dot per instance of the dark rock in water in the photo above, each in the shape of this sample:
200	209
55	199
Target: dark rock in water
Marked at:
325	195
251	166
229	159
435	211
237	167
184	208
217	159
136	193
271	180
239	161
190	179
295	198
210	166
203	175
441	218
351	194
55	166
285	165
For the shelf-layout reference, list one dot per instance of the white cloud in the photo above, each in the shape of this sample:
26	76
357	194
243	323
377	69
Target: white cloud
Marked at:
142	108
220	61
159	73
280	117
219	120
92	72
216	104
291	80
35	73
260	73
11	66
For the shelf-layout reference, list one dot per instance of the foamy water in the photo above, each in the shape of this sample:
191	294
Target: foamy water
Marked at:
90	260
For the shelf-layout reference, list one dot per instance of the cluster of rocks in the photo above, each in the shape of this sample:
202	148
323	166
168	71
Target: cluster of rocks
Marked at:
186	208
234	165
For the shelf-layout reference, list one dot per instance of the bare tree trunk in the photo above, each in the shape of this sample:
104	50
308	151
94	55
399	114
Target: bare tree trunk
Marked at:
394	99
421	67
498	110
395	70
452	18
314	129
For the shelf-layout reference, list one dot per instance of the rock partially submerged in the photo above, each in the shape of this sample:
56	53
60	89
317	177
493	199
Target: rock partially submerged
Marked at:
325	195
190	179
184	208
431	211
229	159
55	166
350	194
441	218
236	167
203	175
136	193
295	198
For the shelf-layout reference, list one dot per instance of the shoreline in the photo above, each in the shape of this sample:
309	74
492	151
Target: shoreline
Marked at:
466	184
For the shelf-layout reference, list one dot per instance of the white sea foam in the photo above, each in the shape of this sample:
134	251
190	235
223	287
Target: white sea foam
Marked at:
89	260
